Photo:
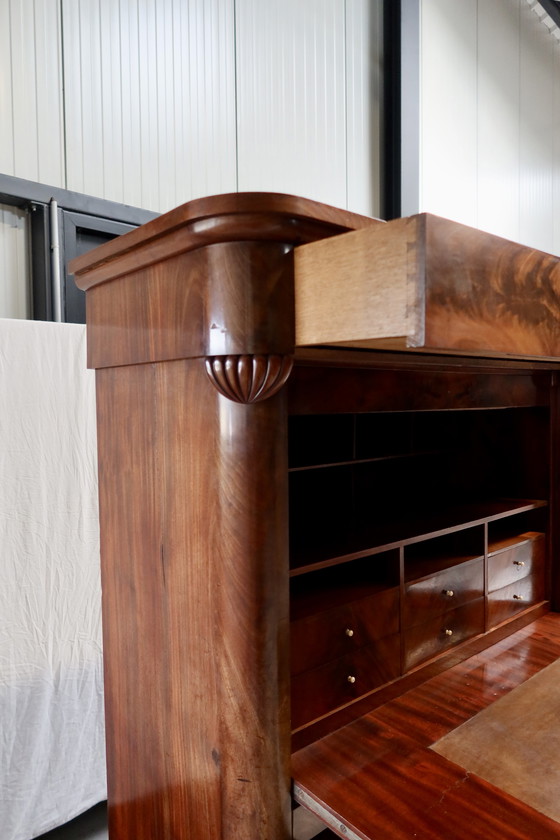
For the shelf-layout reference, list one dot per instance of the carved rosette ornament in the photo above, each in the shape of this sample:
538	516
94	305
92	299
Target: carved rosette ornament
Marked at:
248	378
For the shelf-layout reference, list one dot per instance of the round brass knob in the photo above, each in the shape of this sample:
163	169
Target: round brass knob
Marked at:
518	597
351	679
349	632
449	632
449	593
519	562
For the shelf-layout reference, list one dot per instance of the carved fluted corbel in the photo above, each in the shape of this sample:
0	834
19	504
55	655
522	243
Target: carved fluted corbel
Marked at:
248	378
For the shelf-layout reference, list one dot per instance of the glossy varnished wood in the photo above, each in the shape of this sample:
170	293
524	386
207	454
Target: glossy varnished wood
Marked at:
197	303
203	279
191	329
453	288
223	218
403	789
193	325
196	680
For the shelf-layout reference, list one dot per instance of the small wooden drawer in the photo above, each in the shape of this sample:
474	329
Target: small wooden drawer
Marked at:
427	598
510	600
425	641
328	635
317	692
516	561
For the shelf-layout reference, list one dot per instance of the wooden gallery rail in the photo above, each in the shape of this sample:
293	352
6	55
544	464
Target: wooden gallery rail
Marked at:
386	389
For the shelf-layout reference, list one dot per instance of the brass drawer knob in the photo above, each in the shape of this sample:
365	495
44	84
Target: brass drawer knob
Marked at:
349	632
518	597
449	632
449	593
351	679
519	562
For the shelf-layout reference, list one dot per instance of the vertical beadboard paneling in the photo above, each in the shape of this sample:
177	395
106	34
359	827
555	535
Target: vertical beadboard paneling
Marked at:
31	139
6	93
115	101
150	106
536	133
498	116
491	119
24	103
15	297
448	170
291	97
364	57
48	80
148	96
85	151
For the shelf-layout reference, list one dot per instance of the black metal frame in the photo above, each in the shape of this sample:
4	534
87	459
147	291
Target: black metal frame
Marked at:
401	95
552	8
76	212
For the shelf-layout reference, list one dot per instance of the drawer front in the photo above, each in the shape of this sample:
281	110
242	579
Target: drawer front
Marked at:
445	590
334	633
510	600
424	641
317	692
516	562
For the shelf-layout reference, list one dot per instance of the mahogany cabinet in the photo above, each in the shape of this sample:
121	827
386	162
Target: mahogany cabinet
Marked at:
328	463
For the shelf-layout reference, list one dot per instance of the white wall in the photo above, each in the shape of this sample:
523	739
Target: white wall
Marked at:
15	291
156	102
490	119
150	99
31	116
308	82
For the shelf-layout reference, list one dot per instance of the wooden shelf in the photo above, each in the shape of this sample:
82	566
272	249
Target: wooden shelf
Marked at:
357	461
497	545
328	549
340	584
418	569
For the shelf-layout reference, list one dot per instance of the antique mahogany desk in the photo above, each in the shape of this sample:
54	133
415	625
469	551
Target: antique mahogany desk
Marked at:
328	464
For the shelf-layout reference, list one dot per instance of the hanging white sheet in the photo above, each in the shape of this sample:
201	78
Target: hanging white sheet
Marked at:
52	755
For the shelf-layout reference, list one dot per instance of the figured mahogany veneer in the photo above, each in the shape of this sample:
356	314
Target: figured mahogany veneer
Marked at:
453	288
191	328
439	592
522	558
248	483
377	776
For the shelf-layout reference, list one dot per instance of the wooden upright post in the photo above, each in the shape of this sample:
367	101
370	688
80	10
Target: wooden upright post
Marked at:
191	330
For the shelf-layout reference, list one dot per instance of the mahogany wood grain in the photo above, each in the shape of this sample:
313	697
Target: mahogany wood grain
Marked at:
195	606
436	635
333	388
193	512
457	694
194	503
486	293
519	560
197	303
223	218
509	600
376	777
453	289
202	279
434	595
331	634
318	729
316	692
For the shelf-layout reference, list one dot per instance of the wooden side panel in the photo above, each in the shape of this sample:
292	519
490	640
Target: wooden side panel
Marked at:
196	701
361	286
